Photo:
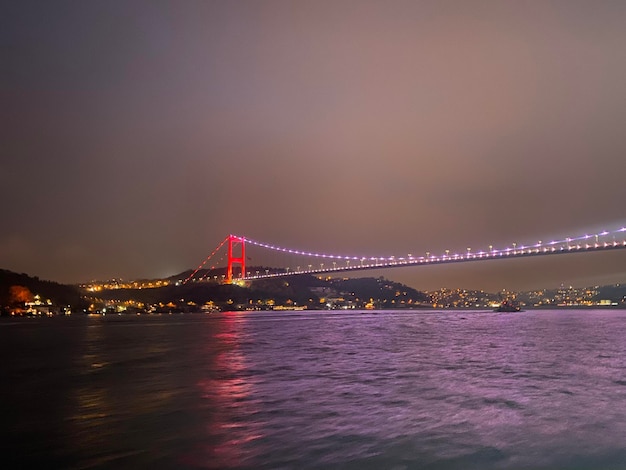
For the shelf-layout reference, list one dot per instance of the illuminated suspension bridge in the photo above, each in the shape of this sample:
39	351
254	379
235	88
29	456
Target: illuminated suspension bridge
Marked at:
232	252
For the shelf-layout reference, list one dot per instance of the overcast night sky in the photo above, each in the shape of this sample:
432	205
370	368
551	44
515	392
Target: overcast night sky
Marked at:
136	135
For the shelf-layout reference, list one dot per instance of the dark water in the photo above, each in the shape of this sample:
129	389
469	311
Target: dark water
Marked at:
390	390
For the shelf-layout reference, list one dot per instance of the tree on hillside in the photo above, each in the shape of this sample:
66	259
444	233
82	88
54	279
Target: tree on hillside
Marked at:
19	295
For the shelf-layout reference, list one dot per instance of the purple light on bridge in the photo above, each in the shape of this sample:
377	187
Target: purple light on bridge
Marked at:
522	250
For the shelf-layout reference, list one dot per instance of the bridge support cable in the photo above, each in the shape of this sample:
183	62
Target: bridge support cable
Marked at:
210	270
205	261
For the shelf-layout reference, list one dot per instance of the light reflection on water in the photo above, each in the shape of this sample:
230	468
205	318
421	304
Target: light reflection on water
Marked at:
431	390
226	392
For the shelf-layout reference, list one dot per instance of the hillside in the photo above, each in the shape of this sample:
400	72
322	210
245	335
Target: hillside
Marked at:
61	295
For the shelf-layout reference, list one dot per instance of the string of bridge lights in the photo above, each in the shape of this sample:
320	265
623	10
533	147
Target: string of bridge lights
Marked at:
567	244
595	241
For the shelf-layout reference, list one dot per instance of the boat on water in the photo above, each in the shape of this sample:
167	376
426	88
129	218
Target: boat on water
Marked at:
508	306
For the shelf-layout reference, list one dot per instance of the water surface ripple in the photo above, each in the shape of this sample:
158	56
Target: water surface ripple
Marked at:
348	390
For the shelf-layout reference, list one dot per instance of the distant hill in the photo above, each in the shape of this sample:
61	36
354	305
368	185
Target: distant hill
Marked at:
380	289
296	289
302	290
59	294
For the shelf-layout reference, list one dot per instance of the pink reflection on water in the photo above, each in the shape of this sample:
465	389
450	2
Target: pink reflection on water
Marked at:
227	392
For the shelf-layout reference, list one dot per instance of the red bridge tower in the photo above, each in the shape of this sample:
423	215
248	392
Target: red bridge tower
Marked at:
233	241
